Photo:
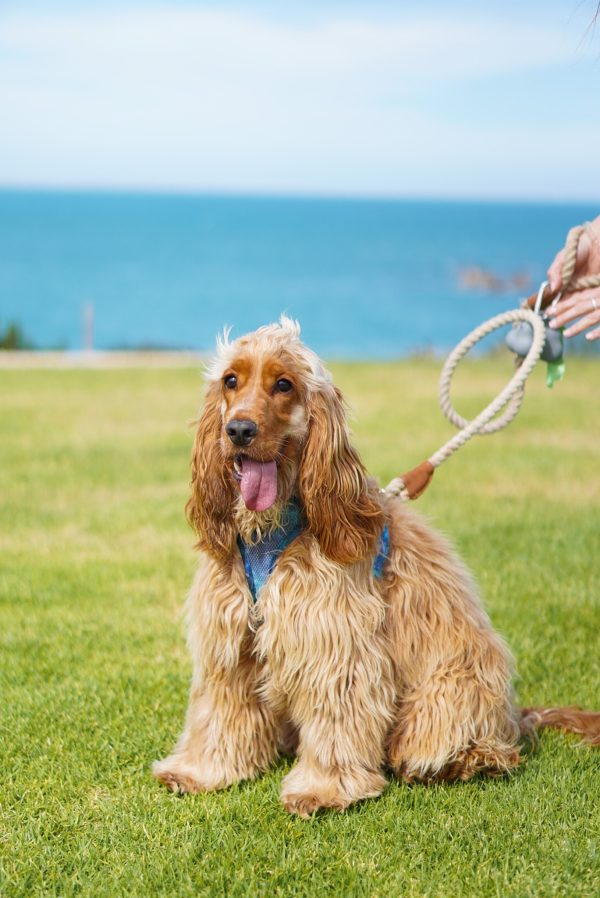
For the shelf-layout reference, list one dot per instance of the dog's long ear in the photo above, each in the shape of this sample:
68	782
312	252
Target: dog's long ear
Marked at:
340	508
210	507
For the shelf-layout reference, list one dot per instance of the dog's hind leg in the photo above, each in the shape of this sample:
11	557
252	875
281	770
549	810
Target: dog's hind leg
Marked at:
455	714
454	726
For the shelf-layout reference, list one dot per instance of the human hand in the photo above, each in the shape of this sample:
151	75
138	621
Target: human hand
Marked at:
582	304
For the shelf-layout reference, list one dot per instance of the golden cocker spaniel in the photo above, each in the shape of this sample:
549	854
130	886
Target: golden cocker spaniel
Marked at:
326	618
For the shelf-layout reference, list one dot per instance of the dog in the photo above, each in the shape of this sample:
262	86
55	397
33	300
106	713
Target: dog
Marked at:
326	618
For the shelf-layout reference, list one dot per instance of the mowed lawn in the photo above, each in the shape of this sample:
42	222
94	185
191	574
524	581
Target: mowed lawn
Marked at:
95	561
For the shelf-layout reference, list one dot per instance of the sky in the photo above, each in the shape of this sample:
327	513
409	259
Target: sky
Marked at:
494	100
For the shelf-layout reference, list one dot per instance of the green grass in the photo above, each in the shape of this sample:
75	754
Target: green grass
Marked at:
95	562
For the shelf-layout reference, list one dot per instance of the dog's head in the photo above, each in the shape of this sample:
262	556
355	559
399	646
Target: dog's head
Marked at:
274	427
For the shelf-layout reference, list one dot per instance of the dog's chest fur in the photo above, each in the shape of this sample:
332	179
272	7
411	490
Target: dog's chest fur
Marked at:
301	643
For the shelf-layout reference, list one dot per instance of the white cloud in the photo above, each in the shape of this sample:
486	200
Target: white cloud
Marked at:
193	98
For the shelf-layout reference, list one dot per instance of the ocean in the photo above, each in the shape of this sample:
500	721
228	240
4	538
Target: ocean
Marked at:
366	278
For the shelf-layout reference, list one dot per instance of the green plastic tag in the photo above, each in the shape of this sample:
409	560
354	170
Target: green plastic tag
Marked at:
555	371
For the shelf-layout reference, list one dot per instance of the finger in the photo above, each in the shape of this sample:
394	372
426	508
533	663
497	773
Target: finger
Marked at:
574	305
555	271
583	324
593	335
558	307
575	310
589	293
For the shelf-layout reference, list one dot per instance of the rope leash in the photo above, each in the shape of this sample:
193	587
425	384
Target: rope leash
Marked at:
414	482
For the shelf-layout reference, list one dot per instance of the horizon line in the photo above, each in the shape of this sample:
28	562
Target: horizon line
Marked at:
292	194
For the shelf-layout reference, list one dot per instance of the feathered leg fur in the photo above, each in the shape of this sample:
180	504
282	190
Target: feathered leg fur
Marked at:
229	734
456	715
327	665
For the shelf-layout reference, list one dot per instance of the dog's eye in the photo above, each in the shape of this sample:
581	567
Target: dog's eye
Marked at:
230	382
283	385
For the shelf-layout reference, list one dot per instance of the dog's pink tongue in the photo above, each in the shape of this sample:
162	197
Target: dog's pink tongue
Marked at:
259	483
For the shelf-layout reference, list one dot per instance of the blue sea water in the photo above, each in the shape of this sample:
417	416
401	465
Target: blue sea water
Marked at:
366	278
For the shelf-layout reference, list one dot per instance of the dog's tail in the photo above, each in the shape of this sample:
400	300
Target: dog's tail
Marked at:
570	720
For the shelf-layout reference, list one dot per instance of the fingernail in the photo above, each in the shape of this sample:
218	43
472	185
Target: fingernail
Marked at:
568	332
553	322
589	336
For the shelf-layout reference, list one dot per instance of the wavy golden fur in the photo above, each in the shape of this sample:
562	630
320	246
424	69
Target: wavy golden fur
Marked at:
353	674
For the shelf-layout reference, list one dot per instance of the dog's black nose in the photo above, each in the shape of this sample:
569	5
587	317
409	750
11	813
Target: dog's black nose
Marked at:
241	433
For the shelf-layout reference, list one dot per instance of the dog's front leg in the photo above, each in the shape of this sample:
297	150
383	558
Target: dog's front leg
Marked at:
327	655
332	772
229	733
228	736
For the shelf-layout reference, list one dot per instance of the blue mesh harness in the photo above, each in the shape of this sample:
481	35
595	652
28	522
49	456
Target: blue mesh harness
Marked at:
260	558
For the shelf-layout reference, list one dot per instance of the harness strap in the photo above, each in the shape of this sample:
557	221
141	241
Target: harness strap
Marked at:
383	553
260	558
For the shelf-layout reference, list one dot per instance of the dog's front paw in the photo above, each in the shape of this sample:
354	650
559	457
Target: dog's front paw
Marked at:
305	805
306	790
184	778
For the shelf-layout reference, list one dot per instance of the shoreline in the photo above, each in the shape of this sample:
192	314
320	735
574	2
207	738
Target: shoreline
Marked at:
98	358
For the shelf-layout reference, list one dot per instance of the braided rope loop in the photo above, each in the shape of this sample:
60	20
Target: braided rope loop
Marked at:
512	394
570	256
569	284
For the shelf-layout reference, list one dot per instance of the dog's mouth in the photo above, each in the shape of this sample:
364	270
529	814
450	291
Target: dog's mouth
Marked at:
257	480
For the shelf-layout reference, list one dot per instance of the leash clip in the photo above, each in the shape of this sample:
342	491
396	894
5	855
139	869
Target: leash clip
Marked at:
540	296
